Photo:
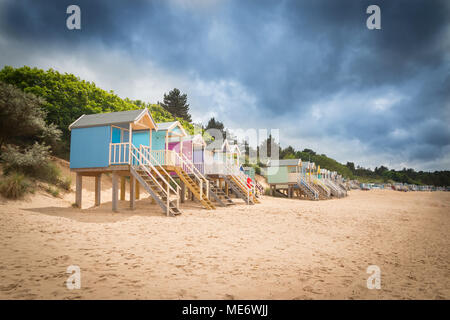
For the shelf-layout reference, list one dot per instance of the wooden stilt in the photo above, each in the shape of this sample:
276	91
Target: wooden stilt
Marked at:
138	189
183	192
122	188
114	191
98	189
79	186
132	193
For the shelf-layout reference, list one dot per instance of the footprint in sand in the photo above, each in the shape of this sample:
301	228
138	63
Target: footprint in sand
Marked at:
8	287
310	290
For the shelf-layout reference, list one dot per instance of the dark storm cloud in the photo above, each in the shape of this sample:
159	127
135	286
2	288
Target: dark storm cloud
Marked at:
292	56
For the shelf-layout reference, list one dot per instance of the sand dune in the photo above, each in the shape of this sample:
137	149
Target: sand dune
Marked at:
280	249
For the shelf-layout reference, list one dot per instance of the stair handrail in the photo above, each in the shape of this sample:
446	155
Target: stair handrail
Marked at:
330	185
303	182
182	164
321	184
259	187
244	178
196	172
336	188
150	158
144	166
231	169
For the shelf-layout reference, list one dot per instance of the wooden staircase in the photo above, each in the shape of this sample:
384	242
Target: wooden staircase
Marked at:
158	186
194	188
155	189
259	188
307	189
324	191
240	190
335	190
219	195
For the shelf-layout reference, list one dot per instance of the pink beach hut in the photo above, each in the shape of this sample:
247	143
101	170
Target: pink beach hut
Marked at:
192	147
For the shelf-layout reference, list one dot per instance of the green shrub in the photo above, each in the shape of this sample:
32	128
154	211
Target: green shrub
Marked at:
66	183
53	191
33	161
15	185
267	191
27	160
48	172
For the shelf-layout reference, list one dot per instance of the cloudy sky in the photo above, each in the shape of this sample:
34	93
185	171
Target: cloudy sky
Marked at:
309	68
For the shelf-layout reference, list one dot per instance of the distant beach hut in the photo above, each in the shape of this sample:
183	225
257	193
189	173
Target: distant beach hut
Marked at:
222	167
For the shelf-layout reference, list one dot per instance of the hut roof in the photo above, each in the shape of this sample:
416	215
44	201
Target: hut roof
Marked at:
103	119
196	139
284	163
169	126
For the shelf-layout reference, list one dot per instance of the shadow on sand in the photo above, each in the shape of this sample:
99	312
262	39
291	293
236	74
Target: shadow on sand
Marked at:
104	213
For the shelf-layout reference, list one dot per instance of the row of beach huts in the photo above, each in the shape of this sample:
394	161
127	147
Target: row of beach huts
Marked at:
401	187
173	166
161	158
294	178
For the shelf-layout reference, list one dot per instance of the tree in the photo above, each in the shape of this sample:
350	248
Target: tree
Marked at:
215	124
309	151
176	104
287	153
67	97
351	166
22	119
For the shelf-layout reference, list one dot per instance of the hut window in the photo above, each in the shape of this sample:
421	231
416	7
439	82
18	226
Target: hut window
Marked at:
292	169
119	135
116	135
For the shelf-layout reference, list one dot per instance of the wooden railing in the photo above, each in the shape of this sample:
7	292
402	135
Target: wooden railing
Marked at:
200	167
192	169
140	160
214	168
233	170
324	187
145	151
173	158
119	153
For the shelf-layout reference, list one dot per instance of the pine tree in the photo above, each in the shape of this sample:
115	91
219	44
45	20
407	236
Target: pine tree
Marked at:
215	124
176	104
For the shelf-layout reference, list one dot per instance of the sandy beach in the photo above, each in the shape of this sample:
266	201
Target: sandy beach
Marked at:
279	249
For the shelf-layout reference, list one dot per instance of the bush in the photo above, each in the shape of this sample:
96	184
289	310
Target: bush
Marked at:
33	161
267	191
15	185
49	172
66	183
25	161
53	191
